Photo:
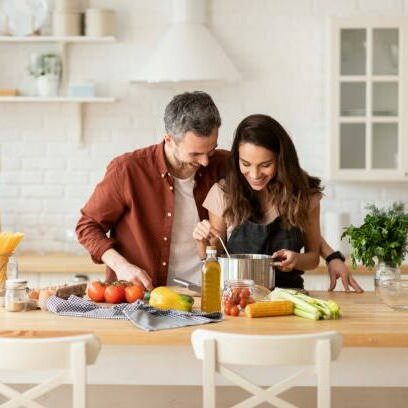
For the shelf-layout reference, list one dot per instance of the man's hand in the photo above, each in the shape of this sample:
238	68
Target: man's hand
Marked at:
133	273
125	270
338	269
286	259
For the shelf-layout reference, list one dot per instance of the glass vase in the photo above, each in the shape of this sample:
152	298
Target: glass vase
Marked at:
384	271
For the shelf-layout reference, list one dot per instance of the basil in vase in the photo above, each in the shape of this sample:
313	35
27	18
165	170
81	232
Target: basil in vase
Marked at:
380	241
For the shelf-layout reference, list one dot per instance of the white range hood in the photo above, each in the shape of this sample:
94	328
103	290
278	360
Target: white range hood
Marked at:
188	51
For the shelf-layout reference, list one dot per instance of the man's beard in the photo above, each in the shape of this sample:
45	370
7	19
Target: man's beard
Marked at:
182	165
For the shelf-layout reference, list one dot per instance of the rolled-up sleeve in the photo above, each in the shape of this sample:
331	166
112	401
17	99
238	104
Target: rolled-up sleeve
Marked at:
105	206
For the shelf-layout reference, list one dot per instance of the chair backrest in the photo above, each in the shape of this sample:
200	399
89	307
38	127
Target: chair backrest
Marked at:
265	350
46	353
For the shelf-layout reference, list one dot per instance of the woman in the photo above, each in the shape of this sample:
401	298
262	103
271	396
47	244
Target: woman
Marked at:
267	204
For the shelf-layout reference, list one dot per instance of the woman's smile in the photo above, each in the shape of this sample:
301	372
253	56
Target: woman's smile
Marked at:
257	164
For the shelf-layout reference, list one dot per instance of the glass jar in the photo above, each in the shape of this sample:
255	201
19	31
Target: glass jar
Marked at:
8	268
16	295
4	259
236	295
384	271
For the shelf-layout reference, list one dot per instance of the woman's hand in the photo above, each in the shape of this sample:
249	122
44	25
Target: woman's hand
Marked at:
204	231
338	269
286	260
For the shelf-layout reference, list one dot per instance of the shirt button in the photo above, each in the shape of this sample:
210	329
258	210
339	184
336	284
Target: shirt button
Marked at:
164	263
165	238
171	187
163	175
169	214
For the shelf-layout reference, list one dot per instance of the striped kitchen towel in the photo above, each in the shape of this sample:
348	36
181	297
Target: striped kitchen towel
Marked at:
143	316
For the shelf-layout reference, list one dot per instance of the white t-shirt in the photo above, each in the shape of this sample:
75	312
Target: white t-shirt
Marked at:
184	261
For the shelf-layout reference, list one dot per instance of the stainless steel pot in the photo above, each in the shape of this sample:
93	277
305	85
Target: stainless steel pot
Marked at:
248	266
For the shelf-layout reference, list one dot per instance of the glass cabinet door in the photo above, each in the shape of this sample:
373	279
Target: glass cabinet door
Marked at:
385	99
385	146
385	51
353	52
352	99
352	146
370	123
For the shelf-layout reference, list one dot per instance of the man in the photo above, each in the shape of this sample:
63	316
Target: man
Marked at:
151	199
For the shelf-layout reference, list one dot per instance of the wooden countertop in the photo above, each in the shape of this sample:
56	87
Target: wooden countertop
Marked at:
366	322
61	262
57	262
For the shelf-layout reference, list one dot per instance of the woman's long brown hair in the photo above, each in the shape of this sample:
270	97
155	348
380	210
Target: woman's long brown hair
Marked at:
291	188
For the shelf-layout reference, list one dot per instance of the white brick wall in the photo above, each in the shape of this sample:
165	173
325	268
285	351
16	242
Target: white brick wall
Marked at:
281	48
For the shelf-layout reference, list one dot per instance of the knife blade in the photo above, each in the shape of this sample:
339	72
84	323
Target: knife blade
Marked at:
187	284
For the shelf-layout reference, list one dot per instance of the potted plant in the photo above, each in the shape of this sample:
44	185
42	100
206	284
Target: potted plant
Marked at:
380	241
47	69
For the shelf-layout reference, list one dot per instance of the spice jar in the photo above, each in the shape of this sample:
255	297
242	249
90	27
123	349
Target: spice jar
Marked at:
236	295
16	295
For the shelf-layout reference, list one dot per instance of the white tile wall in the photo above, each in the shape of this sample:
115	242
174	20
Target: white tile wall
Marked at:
280	47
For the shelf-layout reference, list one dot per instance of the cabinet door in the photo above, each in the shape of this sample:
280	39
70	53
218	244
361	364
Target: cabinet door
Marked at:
368	139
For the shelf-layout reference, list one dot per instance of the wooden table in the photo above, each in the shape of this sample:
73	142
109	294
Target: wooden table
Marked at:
366	322
374	337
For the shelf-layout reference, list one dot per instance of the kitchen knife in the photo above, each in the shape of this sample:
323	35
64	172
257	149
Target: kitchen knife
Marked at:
187	284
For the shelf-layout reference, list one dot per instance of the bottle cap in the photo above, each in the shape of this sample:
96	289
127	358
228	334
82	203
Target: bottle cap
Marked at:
211	249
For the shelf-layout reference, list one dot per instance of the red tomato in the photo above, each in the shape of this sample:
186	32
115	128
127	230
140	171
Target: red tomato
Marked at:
134	293
236	291
234	311
229	303
123	283
243	303
96	291
227	310
115	294
245	293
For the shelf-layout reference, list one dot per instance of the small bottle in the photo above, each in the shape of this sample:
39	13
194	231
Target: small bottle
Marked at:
16	295
12	267
210	282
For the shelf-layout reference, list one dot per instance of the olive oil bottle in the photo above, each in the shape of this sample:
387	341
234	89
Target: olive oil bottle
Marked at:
210	282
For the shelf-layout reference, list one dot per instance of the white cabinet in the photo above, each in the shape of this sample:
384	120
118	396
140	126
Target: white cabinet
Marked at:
369	94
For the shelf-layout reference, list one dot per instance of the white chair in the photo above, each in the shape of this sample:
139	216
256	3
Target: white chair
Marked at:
217	349
68	355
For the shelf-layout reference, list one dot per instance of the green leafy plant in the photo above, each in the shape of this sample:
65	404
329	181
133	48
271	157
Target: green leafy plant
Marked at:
45	64
382	236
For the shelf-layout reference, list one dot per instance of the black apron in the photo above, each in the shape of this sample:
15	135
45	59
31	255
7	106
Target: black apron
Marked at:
253	238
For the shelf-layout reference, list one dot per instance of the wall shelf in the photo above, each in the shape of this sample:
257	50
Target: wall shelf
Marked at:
55	39
57	99
76	102
63	43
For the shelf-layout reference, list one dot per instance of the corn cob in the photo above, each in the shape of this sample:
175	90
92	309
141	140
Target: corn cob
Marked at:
269	308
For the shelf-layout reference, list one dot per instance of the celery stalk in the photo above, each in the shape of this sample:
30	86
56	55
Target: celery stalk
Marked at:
299	303
307	315
306	304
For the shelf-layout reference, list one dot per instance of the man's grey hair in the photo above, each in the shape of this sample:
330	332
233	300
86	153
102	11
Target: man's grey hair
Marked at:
191	111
